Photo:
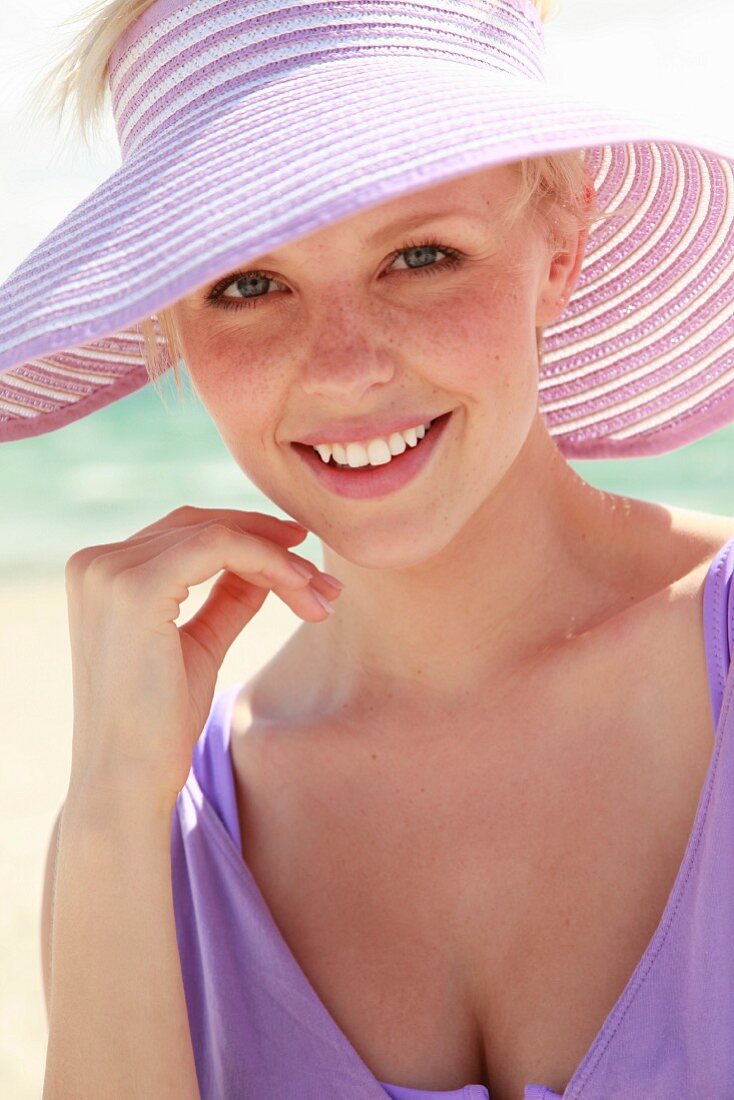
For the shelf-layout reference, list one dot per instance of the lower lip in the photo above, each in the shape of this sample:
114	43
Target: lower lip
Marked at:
366	482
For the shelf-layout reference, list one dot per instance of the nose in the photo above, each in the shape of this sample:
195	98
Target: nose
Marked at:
346	361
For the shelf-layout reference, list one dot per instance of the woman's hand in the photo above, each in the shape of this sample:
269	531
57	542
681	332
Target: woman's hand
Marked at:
143	687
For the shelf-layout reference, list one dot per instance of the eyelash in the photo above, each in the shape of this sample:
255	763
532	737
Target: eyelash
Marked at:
217	298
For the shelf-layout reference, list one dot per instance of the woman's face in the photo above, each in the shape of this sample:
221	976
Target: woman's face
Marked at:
370	319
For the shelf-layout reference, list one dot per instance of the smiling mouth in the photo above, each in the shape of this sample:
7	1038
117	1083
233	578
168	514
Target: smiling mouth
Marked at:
368	466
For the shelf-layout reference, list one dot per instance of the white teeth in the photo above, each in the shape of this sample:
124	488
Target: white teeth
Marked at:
396	443
357	455
378	452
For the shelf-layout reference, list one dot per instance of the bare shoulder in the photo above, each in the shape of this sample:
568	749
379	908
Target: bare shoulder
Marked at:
675	556
701	526
647	657
657	650
698	537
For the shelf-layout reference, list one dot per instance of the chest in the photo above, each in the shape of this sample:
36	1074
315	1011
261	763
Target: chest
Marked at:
472	916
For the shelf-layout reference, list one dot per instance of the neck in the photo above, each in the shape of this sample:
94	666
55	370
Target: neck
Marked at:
537	562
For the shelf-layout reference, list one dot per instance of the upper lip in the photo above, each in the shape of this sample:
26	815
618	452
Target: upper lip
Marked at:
357	432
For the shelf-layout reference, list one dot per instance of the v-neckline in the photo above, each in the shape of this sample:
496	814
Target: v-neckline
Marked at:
224	709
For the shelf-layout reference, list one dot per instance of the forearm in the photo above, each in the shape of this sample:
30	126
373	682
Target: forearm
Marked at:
118	1025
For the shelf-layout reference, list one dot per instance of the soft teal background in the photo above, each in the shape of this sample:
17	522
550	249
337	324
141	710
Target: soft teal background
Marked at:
103	478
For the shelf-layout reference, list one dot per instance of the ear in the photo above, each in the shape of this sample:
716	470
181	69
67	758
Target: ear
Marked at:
566	256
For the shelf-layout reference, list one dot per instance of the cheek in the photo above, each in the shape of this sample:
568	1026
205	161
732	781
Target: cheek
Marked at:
237	381
480	343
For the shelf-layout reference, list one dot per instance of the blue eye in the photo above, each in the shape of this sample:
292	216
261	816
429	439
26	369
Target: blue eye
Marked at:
245	280
431	246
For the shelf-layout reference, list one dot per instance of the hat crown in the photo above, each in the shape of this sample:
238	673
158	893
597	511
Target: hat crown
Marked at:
183	57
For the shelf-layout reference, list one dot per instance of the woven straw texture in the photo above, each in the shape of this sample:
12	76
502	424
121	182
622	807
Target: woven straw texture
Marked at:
245	124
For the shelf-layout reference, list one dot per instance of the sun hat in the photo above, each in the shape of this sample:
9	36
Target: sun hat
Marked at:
245	124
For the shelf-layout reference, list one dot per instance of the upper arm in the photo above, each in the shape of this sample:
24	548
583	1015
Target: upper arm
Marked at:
47	909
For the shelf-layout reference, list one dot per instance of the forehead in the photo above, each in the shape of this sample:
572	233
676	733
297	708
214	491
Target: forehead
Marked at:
478	200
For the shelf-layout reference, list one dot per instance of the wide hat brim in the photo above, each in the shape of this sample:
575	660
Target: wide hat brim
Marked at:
641	361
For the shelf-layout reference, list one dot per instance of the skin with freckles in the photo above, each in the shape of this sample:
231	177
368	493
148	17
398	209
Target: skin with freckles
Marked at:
479	775
456	562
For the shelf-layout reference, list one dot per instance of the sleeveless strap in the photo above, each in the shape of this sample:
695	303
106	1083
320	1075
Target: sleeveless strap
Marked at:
718	623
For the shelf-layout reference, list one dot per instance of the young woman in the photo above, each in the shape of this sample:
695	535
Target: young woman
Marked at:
469	833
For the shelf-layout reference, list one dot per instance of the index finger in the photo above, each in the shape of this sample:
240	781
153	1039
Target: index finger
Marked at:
255	523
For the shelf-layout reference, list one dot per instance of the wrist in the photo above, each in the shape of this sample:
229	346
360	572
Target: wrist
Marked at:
102	800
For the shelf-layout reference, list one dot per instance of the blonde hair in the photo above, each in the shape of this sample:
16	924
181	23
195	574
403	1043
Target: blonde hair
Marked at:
80	73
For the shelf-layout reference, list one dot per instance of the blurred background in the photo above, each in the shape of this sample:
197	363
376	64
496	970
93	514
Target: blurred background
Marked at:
103	478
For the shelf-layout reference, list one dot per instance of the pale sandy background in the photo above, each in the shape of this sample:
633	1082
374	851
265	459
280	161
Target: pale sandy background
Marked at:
672	54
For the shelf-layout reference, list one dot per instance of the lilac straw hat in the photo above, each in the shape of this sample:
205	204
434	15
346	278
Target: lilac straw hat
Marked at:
245	124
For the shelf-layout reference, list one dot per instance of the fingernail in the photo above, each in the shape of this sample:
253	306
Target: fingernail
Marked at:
294	525
324	603
332	580
300	569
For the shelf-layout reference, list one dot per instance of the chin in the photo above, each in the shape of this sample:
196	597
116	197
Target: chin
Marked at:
382	544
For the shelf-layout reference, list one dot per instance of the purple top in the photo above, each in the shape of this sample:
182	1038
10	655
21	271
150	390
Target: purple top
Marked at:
259	1029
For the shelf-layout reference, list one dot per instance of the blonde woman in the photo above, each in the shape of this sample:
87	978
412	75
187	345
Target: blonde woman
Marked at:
470	832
